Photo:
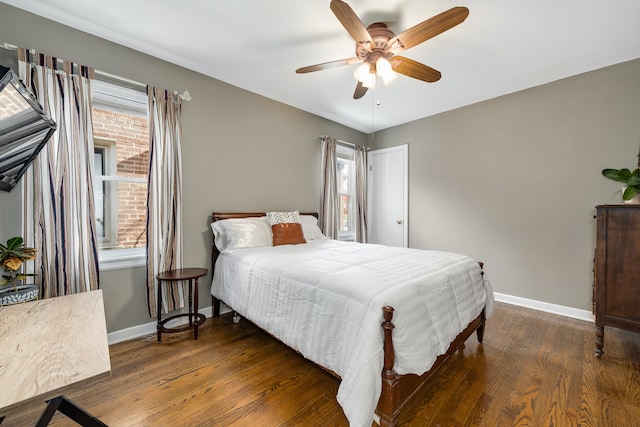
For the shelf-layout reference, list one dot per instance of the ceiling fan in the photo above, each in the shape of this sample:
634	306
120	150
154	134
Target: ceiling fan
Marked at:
377	46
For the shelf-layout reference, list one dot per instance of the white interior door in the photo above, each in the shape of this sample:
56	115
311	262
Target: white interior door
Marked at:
387	195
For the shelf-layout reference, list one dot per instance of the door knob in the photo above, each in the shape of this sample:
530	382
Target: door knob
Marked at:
399	221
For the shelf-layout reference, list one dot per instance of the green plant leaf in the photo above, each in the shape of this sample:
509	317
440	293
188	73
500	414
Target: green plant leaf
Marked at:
634	181
621	175
629	193
15	248
14	243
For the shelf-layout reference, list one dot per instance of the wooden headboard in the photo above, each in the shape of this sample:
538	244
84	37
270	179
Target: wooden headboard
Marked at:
218	216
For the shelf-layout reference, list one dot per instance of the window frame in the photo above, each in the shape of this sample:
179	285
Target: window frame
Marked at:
117	259
112	95
110	205
346	154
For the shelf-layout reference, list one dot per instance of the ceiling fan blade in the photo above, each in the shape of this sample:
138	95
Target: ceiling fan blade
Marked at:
350	21
360	91
427	29
414	69
327	65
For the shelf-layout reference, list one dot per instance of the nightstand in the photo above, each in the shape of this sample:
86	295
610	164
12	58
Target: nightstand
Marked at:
195	319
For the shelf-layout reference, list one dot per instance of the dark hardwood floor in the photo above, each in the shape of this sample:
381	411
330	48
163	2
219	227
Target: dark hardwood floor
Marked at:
534	369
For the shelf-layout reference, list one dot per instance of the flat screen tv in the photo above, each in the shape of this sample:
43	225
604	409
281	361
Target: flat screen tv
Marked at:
24	128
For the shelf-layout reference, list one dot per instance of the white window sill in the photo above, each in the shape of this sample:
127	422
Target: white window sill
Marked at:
117	259
347	236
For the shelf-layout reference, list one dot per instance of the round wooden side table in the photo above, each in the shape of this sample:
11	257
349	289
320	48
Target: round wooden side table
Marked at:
195	319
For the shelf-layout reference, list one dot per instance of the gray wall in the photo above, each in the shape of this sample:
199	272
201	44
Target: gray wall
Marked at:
513	181
10	214
241	151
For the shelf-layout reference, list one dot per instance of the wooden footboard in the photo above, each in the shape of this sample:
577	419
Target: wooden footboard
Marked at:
397	389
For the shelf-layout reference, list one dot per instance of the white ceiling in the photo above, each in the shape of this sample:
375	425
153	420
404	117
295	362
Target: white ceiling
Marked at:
503	46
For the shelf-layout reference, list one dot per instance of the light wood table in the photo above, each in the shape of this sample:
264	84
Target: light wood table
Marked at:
49	345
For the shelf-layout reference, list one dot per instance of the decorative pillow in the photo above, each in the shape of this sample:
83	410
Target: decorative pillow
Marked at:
281	217
310	228
287	233
238	233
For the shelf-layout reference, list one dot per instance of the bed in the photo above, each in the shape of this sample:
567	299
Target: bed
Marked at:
381	319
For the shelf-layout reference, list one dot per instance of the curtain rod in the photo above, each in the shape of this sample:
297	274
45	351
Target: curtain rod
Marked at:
106	76
350	144
9	47
112	78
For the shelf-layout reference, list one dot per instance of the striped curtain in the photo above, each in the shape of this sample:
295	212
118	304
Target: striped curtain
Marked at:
329	220
360	205
64	227
164	199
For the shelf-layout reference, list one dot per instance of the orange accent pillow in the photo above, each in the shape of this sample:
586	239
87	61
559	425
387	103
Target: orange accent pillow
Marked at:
287	233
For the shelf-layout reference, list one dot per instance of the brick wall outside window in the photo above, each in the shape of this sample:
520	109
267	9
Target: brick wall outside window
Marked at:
132	135
12	103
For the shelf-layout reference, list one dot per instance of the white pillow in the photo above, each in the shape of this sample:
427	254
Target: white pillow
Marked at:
310	228
238	233
282	217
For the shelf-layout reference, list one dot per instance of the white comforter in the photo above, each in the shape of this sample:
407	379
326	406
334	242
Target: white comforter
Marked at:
325	299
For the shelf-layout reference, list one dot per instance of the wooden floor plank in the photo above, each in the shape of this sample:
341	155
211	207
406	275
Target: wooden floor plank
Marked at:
533	369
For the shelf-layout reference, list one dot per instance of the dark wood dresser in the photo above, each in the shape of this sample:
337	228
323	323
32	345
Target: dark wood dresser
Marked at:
616	296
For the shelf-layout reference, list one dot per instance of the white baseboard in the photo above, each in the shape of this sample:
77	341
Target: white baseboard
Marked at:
150	328
547	307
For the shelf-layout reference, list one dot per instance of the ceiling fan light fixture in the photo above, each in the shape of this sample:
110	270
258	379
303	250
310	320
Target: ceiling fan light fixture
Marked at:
384	70
389	78
370	81
365	75
362	72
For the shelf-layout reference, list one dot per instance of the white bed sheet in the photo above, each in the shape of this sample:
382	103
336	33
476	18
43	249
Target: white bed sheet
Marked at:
325	299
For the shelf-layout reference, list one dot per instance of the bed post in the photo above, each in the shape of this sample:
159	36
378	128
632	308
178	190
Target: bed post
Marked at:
483	319
480	330
215	302
389	403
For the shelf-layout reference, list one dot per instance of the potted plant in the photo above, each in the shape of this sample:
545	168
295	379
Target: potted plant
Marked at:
631	179
12	256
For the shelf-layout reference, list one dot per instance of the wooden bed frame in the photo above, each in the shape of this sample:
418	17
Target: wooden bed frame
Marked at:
397	390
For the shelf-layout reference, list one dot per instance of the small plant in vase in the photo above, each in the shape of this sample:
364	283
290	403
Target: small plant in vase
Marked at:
12	255
631	179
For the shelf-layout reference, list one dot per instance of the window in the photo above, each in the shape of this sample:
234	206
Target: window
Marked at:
106	215
346	190
121	157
